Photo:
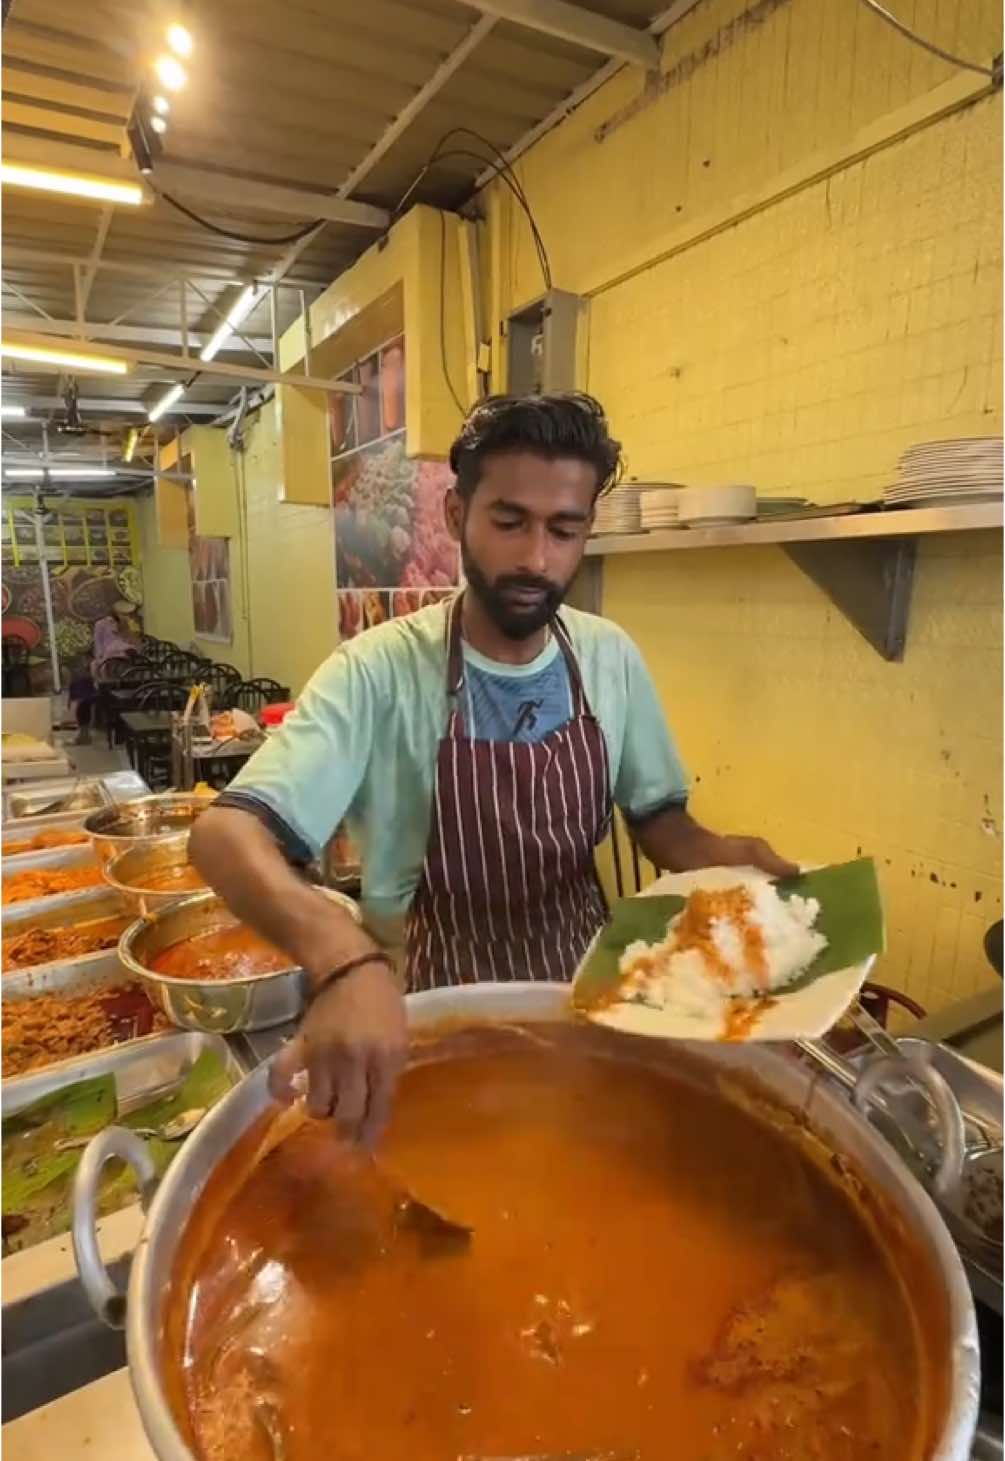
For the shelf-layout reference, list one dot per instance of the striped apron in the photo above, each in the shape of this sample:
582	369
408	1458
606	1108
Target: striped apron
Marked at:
508	888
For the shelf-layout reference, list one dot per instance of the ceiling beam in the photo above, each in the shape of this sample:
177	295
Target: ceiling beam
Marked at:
111	406
582	27
220	189
447	67
131	334
658	26
184	364
69	157
224	191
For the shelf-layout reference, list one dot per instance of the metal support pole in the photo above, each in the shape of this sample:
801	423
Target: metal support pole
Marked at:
78	300
50	622
306	320
274	321
183	314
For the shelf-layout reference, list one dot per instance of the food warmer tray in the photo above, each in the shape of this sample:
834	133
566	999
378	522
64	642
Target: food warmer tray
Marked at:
76	855
31	806
87	905
21	831
27	806
144	1070
69	976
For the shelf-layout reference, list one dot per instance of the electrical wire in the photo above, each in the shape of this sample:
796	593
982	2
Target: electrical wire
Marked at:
499	167
542	256
248	238
443	313
935	50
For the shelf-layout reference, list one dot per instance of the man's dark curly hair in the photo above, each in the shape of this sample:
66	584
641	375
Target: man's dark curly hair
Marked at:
564	424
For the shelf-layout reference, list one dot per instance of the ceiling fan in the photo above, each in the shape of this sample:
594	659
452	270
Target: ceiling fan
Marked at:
71	423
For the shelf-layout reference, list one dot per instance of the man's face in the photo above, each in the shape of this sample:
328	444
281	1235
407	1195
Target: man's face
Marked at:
522	536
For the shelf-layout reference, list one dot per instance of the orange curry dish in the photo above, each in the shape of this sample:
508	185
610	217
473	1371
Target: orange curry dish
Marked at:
653	1272
51	837
232	952
694	931
46	945
50	1027
45	882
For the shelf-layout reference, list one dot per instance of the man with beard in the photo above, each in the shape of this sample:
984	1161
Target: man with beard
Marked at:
476	748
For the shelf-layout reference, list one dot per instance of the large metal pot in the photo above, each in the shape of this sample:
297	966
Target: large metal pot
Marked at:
115	830
784	1080
135	872
220	1006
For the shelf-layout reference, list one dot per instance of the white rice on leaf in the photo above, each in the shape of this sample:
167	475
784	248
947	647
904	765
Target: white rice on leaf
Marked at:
700	984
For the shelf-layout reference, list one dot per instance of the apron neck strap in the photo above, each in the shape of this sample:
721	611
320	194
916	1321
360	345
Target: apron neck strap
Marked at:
455	656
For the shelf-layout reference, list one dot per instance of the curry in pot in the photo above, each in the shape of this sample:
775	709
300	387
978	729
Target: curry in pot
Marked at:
655	1270
231	952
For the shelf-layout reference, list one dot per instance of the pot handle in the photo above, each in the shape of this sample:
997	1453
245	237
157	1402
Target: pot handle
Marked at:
115	1141
949	1117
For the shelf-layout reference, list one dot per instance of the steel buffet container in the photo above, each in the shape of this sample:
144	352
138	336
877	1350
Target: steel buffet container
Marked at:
225	1006
133	873
787	1082
141	823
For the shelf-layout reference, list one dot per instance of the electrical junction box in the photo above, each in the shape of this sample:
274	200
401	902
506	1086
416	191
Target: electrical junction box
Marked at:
542	344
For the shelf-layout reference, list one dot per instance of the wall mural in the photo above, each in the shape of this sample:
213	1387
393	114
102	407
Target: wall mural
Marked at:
392	551
80	597
209	565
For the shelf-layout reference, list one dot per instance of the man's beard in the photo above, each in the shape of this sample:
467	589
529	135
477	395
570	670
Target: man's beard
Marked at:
516	621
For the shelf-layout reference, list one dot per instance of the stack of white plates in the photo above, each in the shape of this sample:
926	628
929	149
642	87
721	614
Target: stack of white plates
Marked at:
945	473
720	506
618	511
659	507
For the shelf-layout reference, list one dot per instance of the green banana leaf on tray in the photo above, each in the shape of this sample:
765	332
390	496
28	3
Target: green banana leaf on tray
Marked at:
38	1178
850	918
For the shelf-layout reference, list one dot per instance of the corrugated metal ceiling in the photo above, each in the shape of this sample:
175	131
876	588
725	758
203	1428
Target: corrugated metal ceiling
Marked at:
287	92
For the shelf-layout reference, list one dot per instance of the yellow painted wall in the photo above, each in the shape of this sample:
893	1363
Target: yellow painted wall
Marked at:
285	621
794	262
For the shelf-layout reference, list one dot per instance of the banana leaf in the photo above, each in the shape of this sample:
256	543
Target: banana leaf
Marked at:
38	1180
850	918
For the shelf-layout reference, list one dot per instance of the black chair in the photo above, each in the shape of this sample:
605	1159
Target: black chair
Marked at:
152	751
222	680
16	669
107	679
138	672
180	665
162	695
633	879
251	695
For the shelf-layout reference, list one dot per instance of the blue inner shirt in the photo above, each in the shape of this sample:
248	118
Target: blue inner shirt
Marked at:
515	702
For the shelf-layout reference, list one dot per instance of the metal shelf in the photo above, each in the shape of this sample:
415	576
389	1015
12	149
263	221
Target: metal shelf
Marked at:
863	562
903	523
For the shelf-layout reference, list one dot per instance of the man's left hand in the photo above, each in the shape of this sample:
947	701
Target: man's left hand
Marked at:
674	841
748	852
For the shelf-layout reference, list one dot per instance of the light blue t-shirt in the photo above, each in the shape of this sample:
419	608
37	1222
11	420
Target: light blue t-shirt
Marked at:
361	744
515	702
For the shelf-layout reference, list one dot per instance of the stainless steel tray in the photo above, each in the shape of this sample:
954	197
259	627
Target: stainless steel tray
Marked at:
73	856
21	831
27	805
69	976
144	1069
87	906
62	857
31	803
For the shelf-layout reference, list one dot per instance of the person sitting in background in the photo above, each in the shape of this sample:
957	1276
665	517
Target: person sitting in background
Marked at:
113	639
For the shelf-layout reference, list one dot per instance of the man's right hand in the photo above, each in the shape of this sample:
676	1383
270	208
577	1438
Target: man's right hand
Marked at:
352	1043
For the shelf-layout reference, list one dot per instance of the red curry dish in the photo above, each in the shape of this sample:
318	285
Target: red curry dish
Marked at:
230	952
654	1270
